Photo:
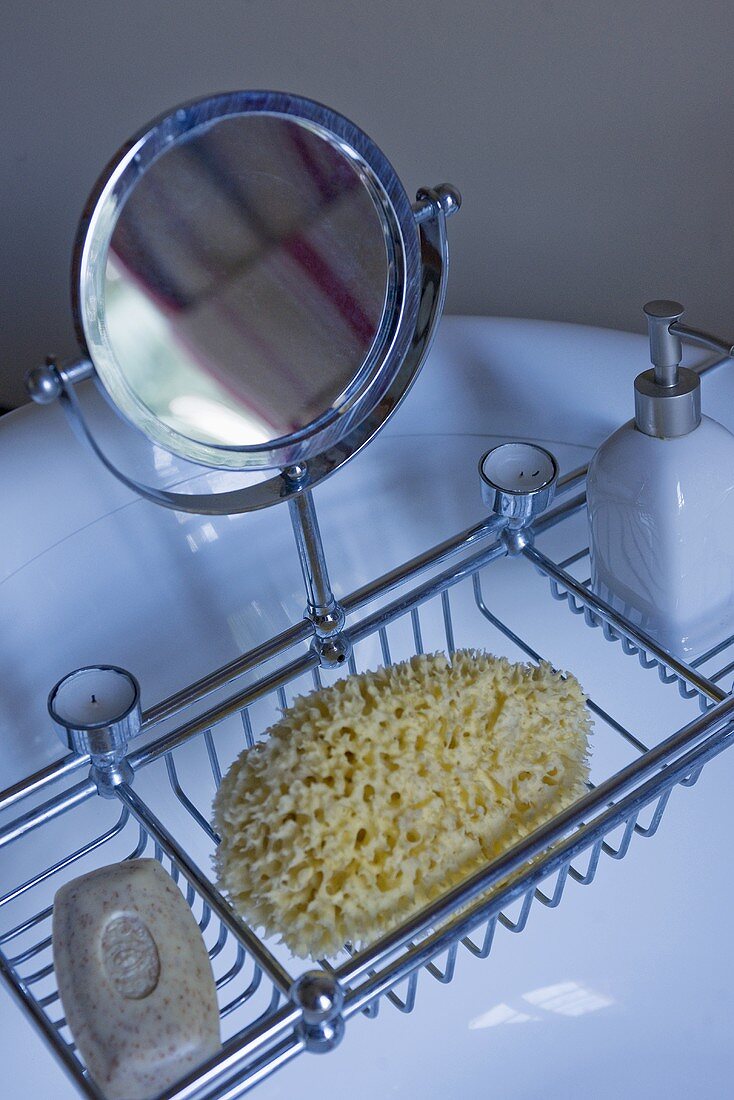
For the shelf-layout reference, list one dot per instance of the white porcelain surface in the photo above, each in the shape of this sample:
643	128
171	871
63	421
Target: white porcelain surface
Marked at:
661	514
627	989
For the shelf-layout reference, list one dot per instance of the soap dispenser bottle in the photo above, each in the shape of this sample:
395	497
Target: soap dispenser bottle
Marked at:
660	494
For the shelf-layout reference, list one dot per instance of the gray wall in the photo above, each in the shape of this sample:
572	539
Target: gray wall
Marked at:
590	138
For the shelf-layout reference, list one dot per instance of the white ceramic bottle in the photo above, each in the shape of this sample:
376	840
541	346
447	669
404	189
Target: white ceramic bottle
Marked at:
660	494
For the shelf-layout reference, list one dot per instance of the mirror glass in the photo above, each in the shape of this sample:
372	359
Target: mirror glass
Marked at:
245	284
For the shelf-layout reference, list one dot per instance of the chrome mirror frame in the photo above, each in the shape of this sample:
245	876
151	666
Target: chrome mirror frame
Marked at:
391	342
418	262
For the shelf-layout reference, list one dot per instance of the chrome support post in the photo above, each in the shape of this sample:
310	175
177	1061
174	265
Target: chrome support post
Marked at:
322	609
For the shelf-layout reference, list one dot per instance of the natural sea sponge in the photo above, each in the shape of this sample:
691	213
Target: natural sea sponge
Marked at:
372	797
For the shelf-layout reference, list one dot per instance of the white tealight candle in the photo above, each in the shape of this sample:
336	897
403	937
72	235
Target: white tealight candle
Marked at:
518	468
95	696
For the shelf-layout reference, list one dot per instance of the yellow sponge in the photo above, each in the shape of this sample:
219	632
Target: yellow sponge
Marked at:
373	796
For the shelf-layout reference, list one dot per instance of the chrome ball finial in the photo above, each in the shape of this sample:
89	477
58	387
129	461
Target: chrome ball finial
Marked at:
320	998
449	197
43	384
429	200
332	652
318	995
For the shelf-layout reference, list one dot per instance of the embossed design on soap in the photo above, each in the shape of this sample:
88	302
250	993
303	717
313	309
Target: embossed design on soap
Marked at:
130	957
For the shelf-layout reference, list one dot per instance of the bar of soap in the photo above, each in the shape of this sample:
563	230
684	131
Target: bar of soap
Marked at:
134	977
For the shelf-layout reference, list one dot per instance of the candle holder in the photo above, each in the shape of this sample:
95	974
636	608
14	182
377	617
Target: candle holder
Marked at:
96	711
518	483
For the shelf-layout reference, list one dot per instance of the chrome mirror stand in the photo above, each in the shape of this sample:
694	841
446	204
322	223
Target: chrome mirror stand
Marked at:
323	610
58	381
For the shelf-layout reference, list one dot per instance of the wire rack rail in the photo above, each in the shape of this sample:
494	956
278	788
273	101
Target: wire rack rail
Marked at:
461	592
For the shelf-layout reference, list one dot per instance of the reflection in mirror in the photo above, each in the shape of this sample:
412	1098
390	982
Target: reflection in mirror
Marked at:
246	280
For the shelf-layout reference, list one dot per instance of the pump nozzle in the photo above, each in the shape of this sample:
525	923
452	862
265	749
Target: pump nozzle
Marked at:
668	397
666	351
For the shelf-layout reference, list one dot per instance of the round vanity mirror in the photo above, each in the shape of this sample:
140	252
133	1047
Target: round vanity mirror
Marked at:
247	280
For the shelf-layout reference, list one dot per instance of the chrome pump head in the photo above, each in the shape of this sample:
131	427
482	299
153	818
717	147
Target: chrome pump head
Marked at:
668	397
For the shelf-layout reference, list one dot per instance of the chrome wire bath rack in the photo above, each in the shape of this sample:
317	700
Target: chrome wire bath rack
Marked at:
462	592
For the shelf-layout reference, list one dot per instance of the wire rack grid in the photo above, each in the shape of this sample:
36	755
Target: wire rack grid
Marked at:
462	592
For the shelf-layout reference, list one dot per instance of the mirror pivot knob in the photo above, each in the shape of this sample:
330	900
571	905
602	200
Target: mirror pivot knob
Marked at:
43	384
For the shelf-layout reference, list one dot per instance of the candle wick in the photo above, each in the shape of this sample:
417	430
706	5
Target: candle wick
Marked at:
94	698
536	473
522	473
